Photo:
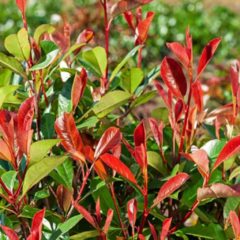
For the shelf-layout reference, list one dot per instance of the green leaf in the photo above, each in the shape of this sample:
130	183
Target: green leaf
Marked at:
85	235
105	198
123	62
40	149
234	173
97	58
12	64
65	227
65	171
40	170
231	204
41	194
161	113
40	30
155	161
88	123
110	102
5	91
131	78
18	45
9	178
64	99
29	212
49	53
212	231
4	76
47	125
143	98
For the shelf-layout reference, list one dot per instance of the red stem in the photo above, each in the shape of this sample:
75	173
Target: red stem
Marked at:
139	57
105	79
5	188
43	89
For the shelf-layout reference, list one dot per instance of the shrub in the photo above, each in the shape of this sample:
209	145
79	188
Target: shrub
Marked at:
71	145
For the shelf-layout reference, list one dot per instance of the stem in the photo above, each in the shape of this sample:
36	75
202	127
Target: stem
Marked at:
116	207
185	123
5	188
43	89
105	79
139	57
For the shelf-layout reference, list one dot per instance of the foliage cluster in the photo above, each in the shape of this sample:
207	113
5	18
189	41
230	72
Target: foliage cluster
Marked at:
76	163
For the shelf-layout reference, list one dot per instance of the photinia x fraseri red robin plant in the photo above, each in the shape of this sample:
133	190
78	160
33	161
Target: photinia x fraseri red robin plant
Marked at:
72	145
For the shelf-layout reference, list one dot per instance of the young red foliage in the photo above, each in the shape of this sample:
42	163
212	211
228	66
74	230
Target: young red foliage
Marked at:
171	186
141	237
10	233
129	19
132	211
234	76
108	221
165	229
207	54
64	198
78	88
85	36
98	212
153	231
157	132
174	77
232	147
22	5
118	166
24	140
198	95
235	224
109	140
179	108
163	94
36	229
66	129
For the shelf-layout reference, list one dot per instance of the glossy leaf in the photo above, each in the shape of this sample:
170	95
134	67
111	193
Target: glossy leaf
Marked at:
36	229
86	234
40	30
171	186
165	228
180	53
200	158
198	95
157	132
10	233
47	125
97	58
232	147
109	140
108	221
140	135
64	198
179	108
153	231
132	211
39	170
131	78
156	162
6	91
24	140
9	178
207	54
235	224
162	93
110	102
5	152
174	77
78	87
12	64
22	5
234	173
218	190
118	166
129	19
72	142
145	97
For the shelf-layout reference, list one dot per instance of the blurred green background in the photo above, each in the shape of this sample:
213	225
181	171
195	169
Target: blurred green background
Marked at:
170	23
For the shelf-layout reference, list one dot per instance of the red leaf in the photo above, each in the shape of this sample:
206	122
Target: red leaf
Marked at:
78	87
174	77
162	94
180	53
5	152
207	54
179	107
165	229
10	233
188	48
98	211
108	221
129	19
132	211
234	76
72	142
142	29
139	15
198	95
86	215
153	231
7	124
84	37
139	135
36	229
24	140
26	114
157	132
118	166
64	198
171	186
235	224
117	150
21	5
109	140
232	147
218	190
200	158
141	237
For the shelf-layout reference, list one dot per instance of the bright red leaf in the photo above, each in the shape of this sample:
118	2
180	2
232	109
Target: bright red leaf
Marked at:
98	211
72	142
10	233
22	5
232	147
165	229
207	54
84	37
235	224
108	221
179	108
109	140
36	229
24	140
174	77
140	135
64	198
157	132
141	237
78	87
198	95
153	231
162	93
129	19
171	186
118	166
132	211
